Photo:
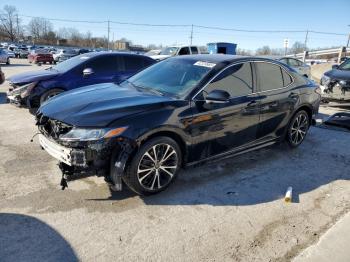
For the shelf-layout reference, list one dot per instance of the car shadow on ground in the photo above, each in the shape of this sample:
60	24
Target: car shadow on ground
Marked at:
25	238
257	177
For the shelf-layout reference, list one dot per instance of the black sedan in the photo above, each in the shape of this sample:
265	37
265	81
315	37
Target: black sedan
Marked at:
179	112
335	83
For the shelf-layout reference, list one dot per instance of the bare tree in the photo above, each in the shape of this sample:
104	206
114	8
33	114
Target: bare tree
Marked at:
41	29
297	47
10	25
265	50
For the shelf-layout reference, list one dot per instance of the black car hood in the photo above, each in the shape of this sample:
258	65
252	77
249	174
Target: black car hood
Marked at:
33	76
338	74
99	105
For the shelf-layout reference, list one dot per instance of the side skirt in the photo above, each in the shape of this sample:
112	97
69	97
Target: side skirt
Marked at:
234	152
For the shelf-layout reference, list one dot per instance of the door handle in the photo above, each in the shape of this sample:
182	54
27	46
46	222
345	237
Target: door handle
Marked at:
293	95
252	103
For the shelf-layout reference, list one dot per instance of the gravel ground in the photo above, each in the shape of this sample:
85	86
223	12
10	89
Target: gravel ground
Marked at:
232	210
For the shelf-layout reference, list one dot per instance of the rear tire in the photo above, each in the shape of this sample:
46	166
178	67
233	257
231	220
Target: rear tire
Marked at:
49	94
154	166
298	128
8	61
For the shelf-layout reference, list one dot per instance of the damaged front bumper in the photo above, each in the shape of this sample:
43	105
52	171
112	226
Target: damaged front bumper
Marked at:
104	157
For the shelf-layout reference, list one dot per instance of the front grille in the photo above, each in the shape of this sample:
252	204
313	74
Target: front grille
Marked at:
50	127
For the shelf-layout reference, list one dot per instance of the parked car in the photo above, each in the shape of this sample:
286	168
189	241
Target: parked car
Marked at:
82	51
11	54
33	88
40	56
67	54
21	52
175	51
299	66
4	57
178	112
153	52
2	77
335	84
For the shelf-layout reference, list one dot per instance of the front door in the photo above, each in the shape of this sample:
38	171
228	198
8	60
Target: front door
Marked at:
220	127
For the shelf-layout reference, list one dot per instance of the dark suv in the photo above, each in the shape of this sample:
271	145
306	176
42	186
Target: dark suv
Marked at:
181	111
33	88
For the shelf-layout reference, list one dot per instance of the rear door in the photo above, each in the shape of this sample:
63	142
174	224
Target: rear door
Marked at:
278	99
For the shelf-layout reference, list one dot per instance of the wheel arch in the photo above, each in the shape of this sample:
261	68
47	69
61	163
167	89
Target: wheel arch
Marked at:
307	108
178	138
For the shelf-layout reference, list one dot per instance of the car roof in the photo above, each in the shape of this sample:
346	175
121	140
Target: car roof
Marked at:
221	58
93	54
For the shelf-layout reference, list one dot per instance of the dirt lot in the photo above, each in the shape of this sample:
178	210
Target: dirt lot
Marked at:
231	210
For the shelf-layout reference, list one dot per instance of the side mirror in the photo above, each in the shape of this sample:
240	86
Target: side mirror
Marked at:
217	97
88	71
335	66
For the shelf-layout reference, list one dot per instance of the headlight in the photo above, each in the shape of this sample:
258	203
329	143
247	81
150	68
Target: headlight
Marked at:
80	134
24	90
342	83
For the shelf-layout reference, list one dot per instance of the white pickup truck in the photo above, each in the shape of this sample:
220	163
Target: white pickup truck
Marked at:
176	50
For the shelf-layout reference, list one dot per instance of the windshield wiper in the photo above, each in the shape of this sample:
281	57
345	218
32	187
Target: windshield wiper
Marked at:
154	91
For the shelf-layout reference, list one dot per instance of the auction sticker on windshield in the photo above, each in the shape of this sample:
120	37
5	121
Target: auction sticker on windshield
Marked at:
205	64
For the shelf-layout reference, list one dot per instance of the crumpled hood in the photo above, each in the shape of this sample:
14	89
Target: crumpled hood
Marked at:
99	105
338	74
33	76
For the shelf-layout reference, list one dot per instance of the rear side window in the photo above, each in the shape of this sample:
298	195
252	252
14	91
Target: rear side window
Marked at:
287	79
134	63
237	80
270	76
184	51
194	50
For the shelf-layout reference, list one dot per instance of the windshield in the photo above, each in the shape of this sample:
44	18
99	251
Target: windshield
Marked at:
345	65
71	63
174	77
169	51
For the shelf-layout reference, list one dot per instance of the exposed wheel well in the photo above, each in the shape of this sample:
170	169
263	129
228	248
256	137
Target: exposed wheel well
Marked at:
178	139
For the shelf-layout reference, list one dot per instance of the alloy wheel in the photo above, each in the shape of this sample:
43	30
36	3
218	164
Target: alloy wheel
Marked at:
157	167
298	129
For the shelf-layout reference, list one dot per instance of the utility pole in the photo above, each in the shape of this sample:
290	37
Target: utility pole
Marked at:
347	45
191	37
108	36
307	33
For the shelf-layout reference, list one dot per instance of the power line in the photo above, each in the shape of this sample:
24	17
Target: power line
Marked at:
187	25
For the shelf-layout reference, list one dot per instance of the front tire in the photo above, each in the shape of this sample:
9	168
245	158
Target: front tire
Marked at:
298	128
154	166
8	61
49	94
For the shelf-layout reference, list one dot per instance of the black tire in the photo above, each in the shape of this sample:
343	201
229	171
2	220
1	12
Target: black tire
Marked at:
8	61
143	181
298	128
49	94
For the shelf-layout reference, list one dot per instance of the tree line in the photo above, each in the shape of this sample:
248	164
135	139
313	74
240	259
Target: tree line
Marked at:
41	31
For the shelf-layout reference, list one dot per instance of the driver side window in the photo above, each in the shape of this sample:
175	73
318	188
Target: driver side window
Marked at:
236	80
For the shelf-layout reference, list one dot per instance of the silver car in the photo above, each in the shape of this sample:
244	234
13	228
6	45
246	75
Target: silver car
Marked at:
297	65
4	57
